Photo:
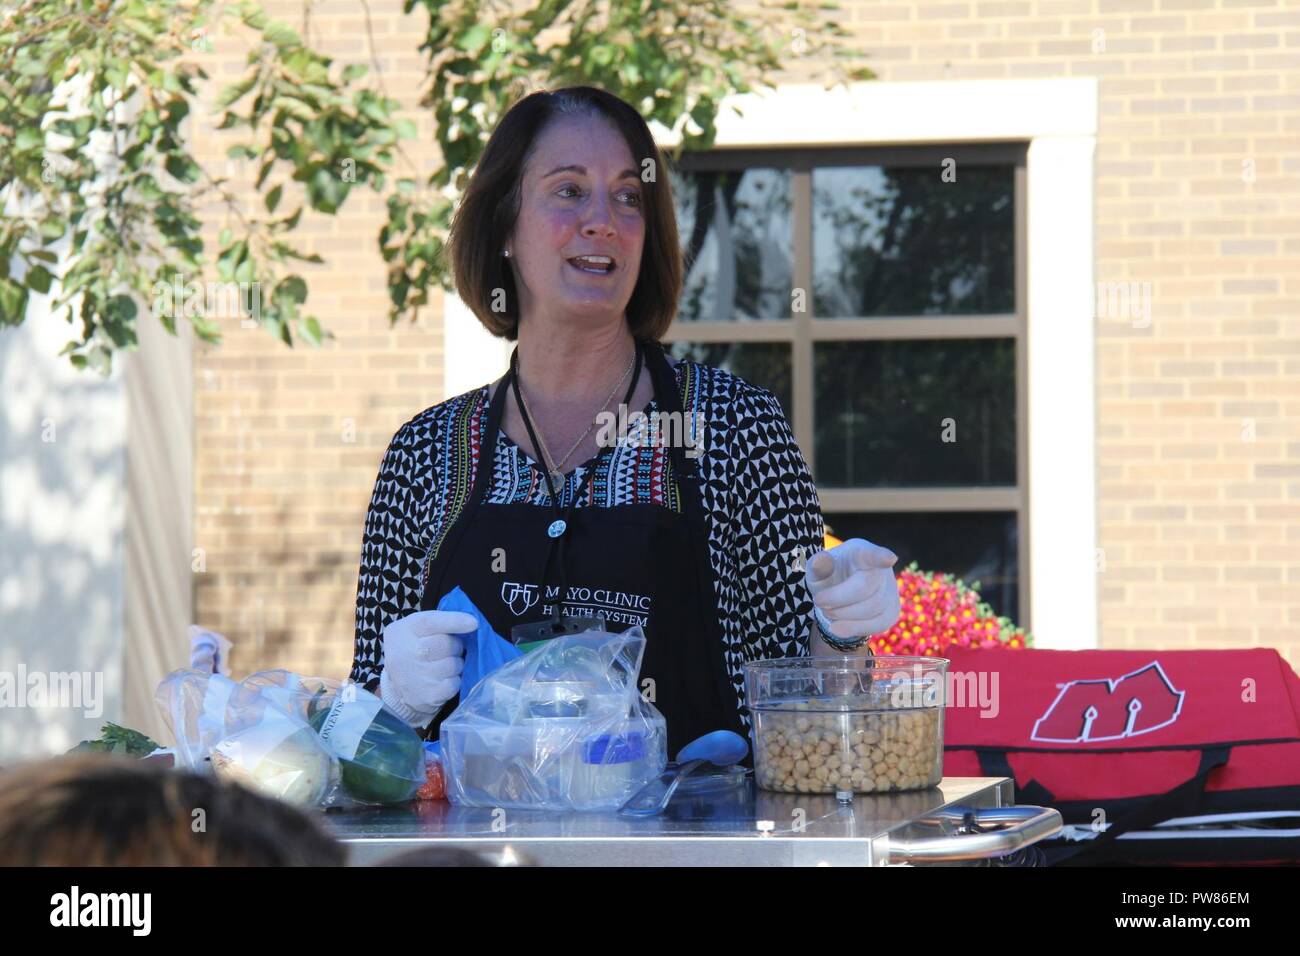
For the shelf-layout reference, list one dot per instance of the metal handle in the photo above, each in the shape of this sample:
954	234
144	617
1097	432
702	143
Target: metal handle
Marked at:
1022	826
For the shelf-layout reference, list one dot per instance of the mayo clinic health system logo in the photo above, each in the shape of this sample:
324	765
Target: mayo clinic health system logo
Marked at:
616	607
520	598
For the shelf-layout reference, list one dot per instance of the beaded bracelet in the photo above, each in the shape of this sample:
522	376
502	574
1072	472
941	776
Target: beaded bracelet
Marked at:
839	643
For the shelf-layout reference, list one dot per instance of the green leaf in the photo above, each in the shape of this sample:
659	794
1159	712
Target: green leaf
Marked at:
121	307
177	110
116	74
273	198
295	107
28	138
373	109
36	67
227	260
474	38
182	167
282	35
326	191
39	279
119	313
100	360
290	222
205	329
237	89
253	16
13	302
354	71
310	330
292	288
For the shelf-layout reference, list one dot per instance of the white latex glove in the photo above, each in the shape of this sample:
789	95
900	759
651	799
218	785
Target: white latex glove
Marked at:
423	660
854	586
209	651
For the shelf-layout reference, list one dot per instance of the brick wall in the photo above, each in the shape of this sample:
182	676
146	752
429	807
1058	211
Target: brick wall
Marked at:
1198	195
289	441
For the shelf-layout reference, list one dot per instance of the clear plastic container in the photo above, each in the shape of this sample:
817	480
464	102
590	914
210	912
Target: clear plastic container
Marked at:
554	762
528	735
826	724
612	766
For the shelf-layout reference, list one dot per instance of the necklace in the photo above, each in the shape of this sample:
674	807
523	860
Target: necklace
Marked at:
556	469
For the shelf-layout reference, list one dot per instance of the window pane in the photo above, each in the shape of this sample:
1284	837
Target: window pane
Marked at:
735	230
914	413
759	363
973	545
901	241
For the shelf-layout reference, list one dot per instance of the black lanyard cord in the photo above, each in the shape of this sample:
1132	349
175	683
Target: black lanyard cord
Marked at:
565	516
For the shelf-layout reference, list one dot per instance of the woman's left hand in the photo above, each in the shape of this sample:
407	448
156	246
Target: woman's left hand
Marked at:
853	584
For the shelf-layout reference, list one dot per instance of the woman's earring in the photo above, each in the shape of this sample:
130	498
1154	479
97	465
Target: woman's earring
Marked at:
506	253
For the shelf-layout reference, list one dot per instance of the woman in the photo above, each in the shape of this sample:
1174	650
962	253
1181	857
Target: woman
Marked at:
518	492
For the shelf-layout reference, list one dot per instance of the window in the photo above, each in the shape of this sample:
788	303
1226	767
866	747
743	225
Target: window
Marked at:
883	302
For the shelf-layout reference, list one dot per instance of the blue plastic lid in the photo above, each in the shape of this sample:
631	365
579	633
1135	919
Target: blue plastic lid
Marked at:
614	748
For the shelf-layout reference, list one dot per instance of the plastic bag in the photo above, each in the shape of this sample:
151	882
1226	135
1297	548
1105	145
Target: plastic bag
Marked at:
237	733
193	705
435	785
485	649
308	740
281	757
381	756
561	728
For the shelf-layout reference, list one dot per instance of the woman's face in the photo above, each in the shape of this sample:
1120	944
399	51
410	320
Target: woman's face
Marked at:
581	195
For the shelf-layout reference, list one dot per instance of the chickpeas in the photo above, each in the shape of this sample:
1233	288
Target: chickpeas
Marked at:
805	751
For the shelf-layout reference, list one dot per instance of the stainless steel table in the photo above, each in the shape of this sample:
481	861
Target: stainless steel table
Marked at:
745	827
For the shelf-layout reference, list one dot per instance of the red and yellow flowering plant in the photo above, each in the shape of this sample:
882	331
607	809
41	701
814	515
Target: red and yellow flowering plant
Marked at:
939	611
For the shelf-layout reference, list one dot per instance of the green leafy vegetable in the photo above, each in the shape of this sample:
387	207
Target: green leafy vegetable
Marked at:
116	739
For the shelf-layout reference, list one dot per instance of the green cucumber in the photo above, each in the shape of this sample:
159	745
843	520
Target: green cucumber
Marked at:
388	766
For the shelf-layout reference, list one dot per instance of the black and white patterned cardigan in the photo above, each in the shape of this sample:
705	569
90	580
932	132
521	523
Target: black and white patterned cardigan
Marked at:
760	503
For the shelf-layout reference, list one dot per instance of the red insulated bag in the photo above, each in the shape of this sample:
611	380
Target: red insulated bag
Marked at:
1136	742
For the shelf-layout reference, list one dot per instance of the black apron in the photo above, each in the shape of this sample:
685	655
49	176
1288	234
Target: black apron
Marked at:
635	564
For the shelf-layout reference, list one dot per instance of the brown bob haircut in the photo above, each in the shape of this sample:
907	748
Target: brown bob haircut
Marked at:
101	810
490	207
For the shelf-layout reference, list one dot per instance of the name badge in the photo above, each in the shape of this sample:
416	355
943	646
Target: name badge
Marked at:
526	637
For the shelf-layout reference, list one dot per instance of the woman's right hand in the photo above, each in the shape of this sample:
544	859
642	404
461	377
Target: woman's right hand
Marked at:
423	660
